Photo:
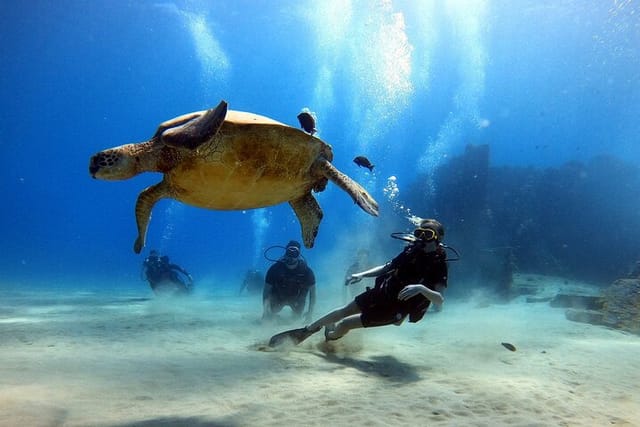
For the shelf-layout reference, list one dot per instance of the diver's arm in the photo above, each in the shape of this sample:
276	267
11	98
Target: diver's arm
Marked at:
176	267
372	272
312	302
375	271
410	291
266	300
180	269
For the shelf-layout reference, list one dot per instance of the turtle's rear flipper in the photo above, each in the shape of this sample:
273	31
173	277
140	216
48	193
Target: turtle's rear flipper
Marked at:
196	132
294	336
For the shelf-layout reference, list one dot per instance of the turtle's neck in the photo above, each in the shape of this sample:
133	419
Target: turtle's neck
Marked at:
154	157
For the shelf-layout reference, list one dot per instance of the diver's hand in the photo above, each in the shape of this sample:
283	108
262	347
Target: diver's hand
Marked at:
411	291
355	278
434	296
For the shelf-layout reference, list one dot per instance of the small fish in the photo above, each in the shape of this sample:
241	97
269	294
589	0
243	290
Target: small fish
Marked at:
509	346
307	122
362	161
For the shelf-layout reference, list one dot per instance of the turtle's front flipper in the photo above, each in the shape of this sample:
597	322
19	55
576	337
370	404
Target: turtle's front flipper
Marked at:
309	214
197	131
146	200
355	190
177	121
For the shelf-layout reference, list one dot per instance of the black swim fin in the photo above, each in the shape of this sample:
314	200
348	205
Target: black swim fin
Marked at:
295	336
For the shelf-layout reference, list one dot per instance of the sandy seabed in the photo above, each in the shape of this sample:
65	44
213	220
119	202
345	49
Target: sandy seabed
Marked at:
112	359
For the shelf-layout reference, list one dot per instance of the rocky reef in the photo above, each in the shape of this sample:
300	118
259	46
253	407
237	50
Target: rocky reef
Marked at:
621	305
617	306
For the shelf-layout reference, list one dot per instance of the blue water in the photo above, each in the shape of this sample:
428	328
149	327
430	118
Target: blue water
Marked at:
407	83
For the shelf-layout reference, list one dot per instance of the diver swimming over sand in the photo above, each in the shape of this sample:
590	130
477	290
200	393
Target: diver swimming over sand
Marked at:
404	287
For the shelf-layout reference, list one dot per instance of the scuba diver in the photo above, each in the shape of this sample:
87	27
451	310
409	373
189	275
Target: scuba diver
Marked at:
253	282
165	277
288	282
404	287
350	289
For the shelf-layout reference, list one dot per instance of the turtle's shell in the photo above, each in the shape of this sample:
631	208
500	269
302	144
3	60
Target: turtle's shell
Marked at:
252	161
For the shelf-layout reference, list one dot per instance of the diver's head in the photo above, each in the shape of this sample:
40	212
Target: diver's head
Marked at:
153	252
429	234
292	254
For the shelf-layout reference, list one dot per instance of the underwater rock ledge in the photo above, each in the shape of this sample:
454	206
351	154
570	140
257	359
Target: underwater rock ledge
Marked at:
618	307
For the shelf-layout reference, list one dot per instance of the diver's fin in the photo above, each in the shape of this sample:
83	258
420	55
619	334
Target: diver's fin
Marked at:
295	336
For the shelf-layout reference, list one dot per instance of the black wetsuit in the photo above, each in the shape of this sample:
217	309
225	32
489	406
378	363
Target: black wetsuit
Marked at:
159	272
381	306
288	286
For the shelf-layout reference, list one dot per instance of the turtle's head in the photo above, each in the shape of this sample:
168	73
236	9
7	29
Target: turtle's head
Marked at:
116	163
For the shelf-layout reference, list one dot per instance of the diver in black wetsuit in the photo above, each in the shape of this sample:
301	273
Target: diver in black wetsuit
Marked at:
404	287
288	282
165	277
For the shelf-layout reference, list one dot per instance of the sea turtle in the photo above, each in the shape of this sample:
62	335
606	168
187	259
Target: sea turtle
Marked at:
230	160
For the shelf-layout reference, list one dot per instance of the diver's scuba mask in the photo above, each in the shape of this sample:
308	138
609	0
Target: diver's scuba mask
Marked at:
292	252
425	234
291	256
426	239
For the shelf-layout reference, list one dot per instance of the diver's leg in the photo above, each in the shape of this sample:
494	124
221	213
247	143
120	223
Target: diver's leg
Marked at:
178	283
297	307
298	335
276	305
343	327
334	316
